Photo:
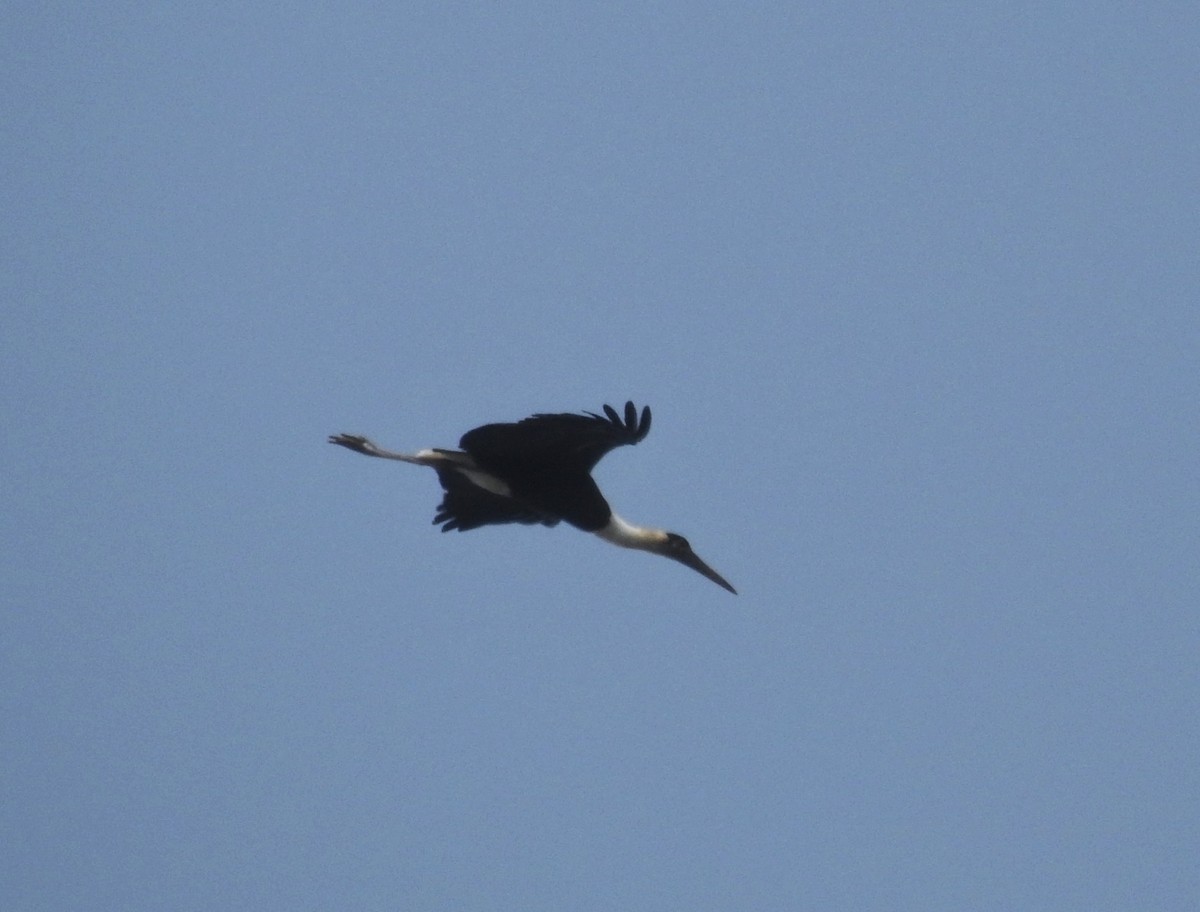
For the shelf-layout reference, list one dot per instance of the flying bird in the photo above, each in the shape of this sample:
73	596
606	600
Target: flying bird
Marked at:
538	471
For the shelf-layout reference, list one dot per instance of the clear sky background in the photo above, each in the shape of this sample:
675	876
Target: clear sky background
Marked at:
914	292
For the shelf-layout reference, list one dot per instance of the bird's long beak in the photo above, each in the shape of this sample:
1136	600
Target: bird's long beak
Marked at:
689	559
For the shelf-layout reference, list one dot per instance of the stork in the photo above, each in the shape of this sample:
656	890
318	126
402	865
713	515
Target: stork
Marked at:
538	471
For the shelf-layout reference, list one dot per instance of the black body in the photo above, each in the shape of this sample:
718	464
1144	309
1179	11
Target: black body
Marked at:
546	462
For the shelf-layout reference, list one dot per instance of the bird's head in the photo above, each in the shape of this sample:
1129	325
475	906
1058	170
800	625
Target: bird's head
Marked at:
677	548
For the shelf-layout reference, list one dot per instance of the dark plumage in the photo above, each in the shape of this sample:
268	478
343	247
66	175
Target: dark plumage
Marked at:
546	461
538	471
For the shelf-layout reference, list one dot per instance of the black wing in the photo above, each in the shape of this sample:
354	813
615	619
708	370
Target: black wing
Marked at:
467	506
566	442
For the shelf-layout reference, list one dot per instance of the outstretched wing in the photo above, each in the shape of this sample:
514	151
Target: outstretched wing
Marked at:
467	506
564	443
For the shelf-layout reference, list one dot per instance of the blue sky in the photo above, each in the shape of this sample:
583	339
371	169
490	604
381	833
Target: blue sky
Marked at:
912	290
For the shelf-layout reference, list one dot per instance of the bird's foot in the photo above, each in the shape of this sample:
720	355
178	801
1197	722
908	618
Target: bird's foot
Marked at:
354	442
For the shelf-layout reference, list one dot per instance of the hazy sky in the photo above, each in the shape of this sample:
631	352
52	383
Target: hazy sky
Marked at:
913	292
